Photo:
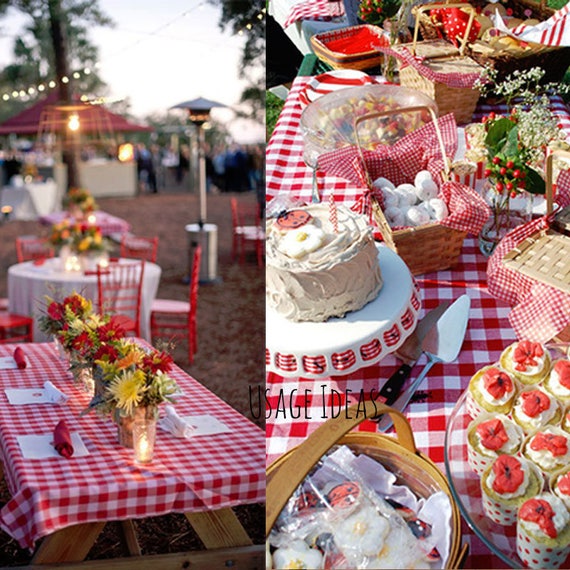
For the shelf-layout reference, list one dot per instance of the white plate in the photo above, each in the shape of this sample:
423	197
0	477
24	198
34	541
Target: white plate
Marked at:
333	81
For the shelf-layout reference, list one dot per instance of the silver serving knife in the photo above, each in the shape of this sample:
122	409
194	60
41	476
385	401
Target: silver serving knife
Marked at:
409	353
441	344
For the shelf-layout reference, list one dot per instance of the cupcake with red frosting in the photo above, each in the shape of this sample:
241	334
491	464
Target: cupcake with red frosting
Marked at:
548	448
558	381
560	485
506	484
491	390
543	532
534	408
528	361
488	437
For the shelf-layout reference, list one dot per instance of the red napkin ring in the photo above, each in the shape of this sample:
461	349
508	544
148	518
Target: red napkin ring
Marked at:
20	358
62	439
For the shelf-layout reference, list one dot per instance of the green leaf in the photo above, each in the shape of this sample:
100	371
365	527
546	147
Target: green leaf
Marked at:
534	182
512	144
497	133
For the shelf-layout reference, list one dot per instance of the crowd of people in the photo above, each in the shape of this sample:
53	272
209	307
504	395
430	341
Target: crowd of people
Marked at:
233	168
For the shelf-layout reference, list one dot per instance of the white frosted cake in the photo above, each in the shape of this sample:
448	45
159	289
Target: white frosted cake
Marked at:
314	272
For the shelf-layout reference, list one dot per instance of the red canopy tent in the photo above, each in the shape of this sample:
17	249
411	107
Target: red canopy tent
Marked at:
29	121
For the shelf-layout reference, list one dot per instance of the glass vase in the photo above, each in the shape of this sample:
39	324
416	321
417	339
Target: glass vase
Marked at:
144	436
505	216
126	423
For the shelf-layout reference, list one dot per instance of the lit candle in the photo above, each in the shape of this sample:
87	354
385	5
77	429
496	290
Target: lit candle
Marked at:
72	263
144	433
91	219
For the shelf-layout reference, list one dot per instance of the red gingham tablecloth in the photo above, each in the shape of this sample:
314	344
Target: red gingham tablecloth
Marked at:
297	406
314	10
186	475
107	223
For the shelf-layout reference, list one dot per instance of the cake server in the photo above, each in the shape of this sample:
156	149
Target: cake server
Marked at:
409	353
442	343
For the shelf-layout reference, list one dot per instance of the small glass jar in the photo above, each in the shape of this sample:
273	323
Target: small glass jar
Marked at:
144	436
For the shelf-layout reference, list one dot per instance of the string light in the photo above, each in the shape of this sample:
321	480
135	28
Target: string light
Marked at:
52	84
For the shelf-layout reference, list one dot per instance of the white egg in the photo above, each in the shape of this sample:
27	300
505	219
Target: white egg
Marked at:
395	216
437	209
417	216
406	194
421	176
383	183
426	190
390	197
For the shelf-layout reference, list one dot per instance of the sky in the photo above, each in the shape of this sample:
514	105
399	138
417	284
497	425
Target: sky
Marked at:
160	54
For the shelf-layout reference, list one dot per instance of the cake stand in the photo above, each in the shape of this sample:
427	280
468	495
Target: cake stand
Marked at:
342	345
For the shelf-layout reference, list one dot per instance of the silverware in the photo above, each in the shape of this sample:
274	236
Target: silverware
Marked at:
441	344
409	353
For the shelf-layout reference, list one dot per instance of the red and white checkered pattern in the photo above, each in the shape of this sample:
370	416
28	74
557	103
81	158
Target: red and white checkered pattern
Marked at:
186	475
314	10
107	223
297	406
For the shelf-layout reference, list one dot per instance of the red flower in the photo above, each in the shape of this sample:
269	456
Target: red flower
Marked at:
55	311
110	331
106	352
158	361
562	368
556	444
525	353
534	402
497	382
82	342
492	433
540	512
74	303
508	474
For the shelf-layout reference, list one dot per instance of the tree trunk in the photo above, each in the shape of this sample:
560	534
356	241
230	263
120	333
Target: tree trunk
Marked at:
59	40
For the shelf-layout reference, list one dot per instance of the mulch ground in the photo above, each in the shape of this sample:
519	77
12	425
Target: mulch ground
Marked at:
231	338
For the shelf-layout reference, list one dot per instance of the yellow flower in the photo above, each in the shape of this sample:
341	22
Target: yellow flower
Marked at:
127	389
84	244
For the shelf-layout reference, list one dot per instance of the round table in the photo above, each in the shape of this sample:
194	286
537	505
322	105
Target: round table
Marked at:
29	283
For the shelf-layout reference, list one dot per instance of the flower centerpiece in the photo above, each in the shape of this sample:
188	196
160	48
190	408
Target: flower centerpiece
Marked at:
135	382
516	145
375	12
60	314
81	245
79	202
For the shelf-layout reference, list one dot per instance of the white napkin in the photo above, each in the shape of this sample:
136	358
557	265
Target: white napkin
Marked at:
176	425
54	394
41	446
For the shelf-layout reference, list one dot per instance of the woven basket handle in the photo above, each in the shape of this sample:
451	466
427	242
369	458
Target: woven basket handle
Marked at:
292	472
464	6
550	178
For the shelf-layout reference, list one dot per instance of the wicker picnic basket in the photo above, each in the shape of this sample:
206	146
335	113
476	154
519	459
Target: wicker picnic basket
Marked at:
545	255
399	455
442	58
368	59
505	60
426	248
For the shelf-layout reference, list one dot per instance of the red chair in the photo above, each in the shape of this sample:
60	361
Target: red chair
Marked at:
15	328
247	230
119	290
137	247
177	319
29	248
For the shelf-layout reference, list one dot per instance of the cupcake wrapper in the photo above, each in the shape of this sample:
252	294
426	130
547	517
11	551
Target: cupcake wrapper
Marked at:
498	512
477	461
472	407
537	555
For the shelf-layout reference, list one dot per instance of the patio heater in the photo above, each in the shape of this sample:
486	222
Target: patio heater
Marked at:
202	232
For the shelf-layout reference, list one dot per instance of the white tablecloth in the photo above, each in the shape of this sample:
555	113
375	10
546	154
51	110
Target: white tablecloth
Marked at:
30	201
28	284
